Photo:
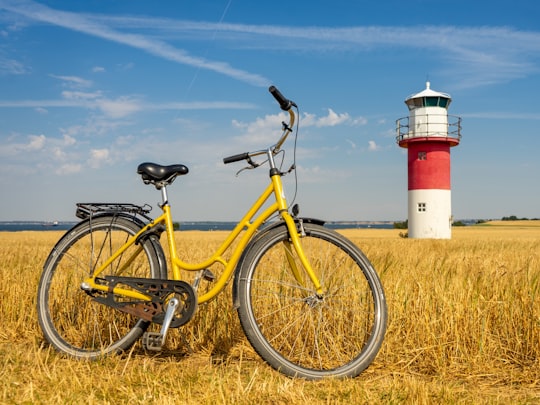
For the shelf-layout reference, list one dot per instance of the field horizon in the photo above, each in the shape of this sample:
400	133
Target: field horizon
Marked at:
464	327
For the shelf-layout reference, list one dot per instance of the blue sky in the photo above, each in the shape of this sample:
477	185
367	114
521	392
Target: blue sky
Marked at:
90	89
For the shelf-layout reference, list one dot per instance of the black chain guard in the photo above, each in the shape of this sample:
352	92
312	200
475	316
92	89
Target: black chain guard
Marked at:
158	290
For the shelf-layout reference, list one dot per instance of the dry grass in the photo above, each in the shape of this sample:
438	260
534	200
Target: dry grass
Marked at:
464	327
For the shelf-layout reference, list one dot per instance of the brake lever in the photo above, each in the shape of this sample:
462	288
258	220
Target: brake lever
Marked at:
242	169
252	165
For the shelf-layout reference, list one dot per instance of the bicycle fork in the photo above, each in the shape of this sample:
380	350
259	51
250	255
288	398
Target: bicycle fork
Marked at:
295	239
294	234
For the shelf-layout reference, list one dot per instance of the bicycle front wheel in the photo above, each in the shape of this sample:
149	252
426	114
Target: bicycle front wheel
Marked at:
71	320
295	330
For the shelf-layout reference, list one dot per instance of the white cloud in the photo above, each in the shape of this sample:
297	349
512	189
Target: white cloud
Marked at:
91	25
200	105
58	153
125	140
331	119
373	146
119	108
69	140
125	66
80	95
41	103
359	121
69	168
98	157
71	131
12	67
73	81
262	131
476	55
99	154
37	142
98	69
318	175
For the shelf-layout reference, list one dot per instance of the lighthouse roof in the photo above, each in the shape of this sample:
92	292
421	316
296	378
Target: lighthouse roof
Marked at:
428	98
427	92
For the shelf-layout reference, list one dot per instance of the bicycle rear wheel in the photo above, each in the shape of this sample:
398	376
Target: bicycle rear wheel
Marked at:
71	320
297	332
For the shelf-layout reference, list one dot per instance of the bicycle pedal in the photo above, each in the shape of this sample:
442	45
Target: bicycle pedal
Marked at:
152	341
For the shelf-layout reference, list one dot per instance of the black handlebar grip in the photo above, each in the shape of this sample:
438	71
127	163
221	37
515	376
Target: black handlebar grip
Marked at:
236	158
284	103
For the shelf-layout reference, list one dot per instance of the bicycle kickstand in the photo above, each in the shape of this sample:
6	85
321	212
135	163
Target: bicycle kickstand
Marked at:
155	340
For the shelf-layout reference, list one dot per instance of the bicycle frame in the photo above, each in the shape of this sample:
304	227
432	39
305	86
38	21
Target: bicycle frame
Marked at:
251	221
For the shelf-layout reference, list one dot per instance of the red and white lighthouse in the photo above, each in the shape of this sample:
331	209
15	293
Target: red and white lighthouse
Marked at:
428	133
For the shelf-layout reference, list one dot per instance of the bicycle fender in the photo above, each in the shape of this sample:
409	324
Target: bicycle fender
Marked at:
254	240
152	235
71	230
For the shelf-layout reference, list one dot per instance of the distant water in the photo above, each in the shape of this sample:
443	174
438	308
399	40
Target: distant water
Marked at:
14	226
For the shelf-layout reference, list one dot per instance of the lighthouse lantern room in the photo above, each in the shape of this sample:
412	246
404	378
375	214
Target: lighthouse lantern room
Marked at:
428	133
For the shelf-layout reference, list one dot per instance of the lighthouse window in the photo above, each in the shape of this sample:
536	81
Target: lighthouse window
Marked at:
431	101
415	103
422	155
421	207
435	102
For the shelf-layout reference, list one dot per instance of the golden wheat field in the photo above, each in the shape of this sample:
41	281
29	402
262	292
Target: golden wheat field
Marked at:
464	327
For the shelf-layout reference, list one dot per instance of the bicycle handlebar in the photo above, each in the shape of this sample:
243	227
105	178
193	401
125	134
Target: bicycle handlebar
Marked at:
283	102
236	158
285	105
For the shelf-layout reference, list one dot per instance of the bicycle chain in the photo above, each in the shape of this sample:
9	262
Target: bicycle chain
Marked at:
160	291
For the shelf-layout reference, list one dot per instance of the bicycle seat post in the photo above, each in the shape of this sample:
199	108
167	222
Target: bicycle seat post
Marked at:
164	196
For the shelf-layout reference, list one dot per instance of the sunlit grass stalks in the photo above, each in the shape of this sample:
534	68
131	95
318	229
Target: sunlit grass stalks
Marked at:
464	308
464	327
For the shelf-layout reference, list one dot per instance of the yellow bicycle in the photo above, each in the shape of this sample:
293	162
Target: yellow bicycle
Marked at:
308	299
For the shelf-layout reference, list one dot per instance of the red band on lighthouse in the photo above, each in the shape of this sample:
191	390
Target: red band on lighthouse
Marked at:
429	165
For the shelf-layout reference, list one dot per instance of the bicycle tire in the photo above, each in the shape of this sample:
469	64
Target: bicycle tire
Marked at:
71	320
292	329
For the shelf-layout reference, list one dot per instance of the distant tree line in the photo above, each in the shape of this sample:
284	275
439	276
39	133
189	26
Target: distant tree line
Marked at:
405	224
401	225
514	218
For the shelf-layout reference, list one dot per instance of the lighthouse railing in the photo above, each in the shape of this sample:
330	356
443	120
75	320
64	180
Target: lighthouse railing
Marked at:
451	128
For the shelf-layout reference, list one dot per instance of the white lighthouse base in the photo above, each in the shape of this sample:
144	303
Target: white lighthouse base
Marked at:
430	214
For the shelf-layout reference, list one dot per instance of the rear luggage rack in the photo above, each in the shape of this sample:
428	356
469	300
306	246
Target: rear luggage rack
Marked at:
85	210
